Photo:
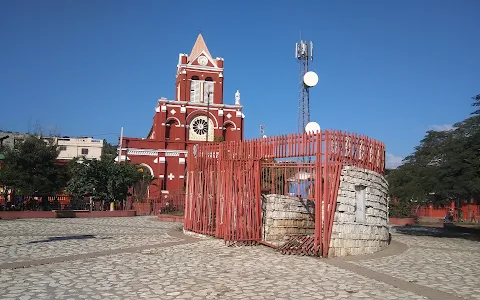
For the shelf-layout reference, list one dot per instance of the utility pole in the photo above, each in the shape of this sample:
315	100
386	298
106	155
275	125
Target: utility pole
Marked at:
208	113
120	147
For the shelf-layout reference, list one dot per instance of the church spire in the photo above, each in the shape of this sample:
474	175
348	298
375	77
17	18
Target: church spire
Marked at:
198	48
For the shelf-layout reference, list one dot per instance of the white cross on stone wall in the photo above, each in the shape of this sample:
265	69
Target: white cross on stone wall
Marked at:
171	176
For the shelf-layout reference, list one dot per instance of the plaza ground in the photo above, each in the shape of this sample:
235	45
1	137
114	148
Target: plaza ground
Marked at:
142	258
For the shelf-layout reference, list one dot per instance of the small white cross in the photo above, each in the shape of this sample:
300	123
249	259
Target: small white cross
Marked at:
171	176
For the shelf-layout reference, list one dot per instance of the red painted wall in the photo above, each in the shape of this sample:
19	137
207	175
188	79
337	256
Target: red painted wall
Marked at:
169	137
440	212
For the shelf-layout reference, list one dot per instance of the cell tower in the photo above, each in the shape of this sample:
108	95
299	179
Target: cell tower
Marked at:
262	131
308	79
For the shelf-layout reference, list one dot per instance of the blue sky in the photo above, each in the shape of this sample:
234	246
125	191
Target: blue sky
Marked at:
388	69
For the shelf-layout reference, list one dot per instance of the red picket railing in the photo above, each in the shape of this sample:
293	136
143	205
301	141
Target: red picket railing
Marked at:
171	203
289	178
225	180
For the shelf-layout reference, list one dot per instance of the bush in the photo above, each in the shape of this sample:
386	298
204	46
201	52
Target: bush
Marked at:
400	209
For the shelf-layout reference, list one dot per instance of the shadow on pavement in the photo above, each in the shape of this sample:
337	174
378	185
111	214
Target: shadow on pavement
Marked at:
64	238
451	231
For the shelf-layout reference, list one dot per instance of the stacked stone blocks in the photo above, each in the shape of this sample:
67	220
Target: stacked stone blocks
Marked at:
350	237
284	216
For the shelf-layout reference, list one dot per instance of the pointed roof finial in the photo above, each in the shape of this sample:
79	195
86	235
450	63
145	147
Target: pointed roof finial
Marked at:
198	47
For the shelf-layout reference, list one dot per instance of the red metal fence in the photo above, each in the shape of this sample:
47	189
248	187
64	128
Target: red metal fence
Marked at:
171	203
289	178
225	180
58	202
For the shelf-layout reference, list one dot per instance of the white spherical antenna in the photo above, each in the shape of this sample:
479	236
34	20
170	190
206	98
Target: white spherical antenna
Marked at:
310	79
264	136
312	127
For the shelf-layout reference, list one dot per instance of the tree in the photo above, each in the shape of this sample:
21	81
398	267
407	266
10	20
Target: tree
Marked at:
144	182
476	102
30	168
102	179
444	167
109	151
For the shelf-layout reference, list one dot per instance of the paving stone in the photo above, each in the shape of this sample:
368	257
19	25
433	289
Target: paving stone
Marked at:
208	269
448	264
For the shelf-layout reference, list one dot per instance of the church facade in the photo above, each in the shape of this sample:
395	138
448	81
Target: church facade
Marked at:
198	114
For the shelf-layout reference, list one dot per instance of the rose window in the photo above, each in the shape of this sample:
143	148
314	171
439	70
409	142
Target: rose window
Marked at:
200	126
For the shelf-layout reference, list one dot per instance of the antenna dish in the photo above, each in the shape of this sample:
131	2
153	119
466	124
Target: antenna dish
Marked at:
310	79
264	136
312	127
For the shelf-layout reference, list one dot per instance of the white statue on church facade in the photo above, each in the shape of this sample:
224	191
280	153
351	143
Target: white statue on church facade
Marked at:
237	98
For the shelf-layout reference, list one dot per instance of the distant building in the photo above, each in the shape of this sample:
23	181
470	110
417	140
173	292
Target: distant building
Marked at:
10	139
69	147
72	147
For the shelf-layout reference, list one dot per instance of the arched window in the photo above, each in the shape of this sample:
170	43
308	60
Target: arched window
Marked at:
168	129
195	90
141	189
173	133
208	86
228	132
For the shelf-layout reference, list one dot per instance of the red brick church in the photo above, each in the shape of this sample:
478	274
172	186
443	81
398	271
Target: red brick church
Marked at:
197	115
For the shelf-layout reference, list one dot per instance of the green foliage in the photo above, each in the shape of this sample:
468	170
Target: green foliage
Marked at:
29	168
141	186
476	102
102	179
109	151
400	209
444	167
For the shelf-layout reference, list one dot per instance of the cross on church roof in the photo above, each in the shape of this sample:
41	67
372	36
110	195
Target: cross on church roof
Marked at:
198	47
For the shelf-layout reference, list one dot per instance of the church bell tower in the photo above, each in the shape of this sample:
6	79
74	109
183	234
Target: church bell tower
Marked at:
199	76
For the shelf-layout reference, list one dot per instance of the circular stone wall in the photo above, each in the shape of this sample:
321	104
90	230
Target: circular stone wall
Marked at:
360	222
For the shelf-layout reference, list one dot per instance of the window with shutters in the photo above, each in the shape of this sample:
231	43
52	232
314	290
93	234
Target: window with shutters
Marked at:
208	90
195	90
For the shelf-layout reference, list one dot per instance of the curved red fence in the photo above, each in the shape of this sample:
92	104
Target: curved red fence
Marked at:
224	180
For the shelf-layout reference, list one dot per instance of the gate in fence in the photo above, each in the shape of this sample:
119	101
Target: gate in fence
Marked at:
225	182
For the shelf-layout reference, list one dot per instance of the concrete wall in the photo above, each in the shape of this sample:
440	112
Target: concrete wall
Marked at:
72	147
13	138
350	234
353	232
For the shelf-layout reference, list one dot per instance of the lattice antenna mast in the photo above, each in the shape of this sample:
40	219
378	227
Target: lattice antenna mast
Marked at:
304	54
262	130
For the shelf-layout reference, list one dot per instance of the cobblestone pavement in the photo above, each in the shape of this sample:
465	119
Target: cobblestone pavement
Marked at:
168	265
23	240
449	264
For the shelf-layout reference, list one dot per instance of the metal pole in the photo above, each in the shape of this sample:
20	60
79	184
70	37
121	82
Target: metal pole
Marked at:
120	147
208	113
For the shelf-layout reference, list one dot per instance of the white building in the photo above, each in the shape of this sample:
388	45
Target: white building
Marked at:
86	147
